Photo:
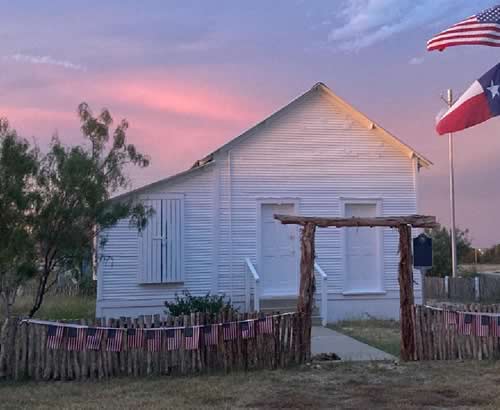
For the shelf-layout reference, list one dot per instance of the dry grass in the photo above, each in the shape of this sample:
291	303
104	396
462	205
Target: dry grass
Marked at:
382	385
57	307
382	334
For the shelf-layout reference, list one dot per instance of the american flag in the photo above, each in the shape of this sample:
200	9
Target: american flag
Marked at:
75	338
450	317
230	330
55	336
247	329
495	326
174	338
153	339
480	29
265	325
135	338
483	325
210	334
114	342
94	337
465	323
192	337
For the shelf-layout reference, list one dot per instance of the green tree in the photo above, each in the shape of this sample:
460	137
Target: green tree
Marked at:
18	167
75	185
491	255
441	249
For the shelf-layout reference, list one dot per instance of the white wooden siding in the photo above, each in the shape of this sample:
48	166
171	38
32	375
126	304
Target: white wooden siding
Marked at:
120	262
312	153
317	154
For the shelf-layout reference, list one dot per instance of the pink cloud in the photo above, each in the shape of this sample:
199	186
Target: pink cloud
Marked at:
174	117
39	122
175	97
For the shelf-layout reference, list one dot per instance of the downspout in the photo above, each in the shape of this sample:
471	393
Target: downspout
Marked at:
230	200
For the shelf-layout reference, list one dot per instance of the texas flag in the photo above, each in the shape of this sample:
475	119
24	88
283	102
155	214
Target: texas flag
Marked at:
478	104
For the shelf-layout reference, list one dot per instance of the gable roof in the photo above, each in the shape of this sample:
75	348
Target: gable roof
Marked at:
335	99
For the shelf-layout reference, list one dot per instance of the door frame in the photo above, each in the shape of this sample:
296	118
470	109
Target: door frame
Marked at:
295	202
377	201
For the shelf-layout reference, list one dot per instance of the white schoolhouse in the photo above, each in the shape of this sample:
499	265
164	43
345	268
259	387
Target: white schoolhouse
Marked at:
213	228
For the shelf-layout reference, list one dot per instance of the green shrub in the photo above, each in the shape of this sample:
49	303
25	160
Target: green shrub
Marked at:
87	286
210	304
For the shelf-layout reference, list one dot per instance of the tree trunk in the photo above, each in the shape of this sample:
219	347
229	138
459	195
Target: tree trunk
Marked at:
307	288
7	347
407	320
40	293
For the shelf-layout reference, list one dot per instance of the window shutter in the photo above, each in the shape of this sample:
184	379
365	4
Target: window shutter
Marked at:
161	242
151	245
173	211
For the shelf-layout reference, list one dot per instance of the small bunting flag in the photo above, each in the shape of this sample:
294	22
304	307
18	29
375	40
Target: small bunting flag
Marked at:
465	323
174	339
210	335
230	330
265	325
153	340
55	334
135	338
114	342
94	337
247	329
482	325
191	337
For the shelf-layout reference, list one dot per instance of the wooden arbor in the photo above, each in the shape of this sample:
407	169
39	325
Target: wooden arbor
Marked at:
307	285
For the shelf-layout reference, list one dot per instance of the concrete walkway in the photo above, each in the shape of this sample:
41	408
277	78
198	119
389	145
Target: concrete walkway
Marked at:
326	340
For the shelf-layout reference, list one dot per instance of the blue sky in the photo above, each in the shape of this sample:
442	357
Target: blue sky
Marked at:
190	75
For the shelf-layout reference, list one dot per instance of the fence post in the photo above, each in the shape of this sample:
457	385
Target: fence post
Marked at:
477	293
447	287
406	296
423	290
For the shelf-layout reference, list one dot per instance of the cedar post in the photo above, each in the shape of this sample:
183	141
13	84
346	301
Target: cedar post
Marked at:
307	287
406	294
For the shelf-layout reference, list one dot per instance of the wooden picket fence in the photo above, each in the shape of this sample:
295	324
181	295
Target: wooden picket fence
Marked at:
435	340
30	358
480	289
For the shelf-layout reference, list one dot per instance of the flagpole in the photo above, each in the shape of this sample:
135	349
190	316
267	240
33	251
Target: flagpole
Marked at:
452	195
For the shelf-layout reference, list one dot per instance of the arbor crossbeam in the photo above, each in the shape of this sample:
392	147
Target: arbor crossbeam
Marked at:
416	221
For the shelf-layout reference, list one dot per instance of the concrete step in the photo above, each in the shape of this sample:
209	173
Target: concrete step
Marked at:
275	303
286	305
316	320
286	309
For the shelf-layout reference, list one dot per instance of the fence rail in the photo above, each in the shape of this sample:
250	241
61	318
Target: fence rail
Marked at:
27	356
481	289
435	339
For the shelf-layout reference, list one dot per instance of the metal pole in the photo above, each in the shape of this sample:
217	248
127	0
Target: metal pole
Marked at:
452	196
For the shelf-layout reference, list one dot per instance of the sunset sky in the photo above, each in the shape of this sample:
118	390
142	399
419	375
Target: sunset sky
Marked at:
191	75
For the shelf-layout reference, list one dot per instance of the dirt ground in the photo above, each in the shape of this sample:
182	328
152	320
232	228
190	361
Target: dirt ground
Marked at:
382	385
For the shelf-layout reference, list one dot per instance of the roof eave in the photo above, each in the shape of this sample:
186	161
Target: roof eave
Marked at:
142	189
